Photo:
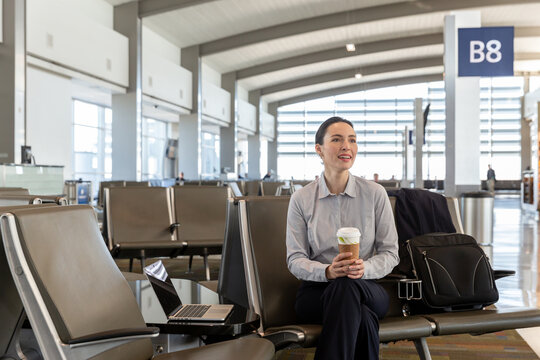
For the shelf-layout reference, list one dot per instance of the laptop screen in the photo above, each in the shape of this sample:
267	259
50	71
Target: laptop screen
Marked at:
163	287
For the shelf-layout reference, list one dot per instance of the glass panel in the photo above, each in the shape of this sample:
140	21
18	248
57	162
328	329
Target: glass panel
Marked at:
380	116
154	139
85	139
92	143
210	156
85	113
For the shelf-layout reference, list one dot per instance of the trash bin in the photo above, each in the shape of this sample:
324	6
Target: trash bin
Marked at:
78	191
477	210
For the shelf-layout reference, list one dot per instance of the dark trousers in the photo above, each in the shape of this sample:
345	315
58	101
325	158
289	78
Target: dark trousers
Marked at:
349	311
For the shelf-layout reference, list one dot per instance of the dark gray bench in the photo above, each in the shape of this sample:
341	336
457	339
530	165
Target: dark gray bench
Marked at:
271	289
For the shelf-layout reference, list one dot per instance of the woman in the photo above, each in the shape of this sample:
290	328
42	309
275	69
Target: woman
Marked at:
337	293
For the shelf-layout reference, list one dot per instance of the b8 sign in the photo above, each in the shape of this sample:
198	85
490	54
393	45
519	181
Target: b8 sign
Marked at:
487	51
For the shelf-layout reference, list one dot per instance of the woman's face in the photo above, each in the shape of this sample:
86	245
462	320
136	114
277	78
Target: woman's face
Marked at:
339	147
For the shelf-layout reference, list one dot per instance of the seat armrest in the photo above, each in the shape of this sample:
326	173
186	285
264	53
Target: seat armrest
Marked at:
173	227
282	338
114	335
392	277
498	274
305	335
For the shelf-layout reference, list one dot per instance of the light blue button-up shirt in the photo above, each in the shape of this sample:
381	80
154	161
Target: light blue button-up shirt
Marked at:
315	215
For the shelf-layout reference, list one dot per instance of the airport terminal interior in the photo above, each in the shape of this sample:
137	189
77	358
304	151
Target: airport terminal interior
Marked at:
144	139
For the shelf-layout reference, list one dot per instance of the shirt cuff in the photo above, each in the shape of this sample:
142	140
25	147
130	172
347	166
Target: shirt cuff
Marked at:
368	271
319	272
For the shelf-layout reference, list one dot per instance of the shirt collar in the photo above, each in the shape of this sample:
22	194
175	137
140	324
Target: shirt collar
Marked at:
350	189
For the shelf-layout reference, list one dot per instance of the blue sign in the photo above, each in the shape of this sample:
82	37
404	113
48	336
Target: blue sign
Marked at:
83	190
487	51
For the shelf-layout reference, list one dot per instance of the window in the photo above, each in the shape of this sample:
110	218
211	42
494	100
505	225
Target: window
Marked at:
154	142
92	143
380	117
210	155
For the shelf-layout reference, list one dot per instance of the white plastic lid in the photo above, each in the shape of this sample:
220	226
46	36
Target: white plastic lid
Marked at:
348	231
348	235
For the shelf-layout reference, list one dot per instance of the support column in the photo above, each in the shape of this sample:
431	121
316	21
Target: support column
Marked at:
13	83
228	135
254	141
418	143
127	108
189	127
462	112
405	176
525	130
272	146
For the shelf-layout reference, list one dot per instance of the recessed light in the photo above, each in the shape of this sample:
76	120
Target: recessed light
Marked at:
350	47
358	76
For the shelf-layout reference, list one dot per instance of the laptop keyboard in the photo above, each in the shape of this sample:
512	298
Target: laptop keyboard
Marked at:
192	311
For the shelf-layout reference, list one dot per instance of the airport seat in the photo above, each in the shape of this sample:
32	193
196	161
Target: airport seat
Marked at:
301	182
272	288
13	200
13	191
78	302
140	223
137	183
11	307
284	190
200	215
53	199
231	283
104	185
252	188
236	192
271	187
201	183
390	184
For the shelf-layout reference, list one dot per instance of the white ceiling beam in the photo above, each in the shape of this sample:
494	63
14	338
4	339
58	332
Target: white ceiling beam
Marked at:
350	73
345	18
361	49
527	31
155	7
527	56
340	52
359	87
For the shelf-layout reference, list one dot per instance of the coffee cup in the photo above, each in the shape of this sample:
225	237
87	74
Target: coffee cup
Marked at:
349	241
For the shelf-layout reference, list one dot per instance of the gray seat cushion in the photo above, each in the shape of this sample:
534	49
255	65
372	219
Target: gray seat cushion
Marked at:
396	328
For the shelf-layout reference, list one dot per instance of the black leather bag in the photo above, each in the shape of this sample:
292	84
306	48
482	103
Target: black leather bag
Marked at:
455	272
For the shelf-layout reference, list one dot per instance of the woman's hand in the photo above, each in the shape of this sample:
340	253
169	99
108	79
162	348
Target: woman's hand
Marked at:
354	269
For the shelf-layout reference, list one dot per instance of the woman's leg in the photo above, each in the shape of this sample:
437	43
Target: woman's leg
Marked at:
351	311
375	307
308	305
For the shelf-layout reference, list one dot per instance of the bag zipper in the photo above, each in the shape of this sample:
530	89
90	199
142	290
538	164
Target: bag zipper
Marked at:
490	271
409	250
429	271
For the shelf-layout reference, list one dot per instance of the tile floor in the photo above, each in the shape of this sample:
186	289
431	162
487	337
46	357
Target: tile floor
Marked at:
515	247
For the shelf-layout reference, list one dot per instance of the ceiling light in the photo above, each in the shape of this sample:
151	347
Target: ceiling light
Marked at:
358	76
350	47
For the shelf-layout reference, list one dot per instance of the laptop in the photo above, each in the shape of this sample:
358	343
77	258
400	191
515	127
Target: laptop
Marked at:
171	303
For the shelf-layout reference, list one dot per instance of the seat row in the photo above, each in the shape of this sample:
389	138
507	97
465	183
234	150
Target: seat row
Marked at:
264	188
255	251
144	222
54	263
13	196
253	273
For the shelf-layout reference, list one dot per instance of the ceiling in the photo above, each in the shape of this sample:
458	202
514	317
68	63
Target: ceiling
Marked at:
295	49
